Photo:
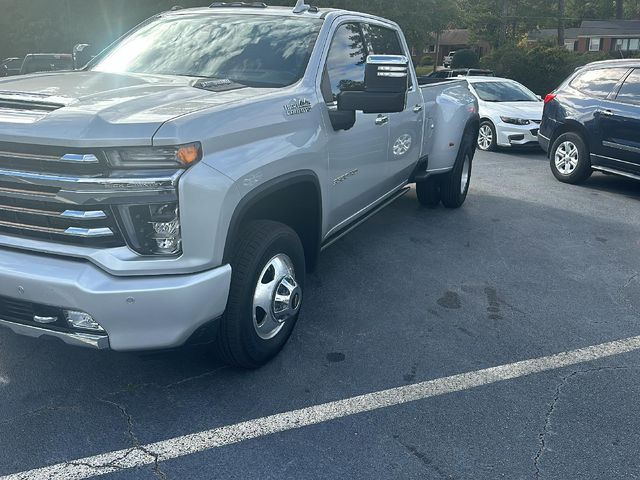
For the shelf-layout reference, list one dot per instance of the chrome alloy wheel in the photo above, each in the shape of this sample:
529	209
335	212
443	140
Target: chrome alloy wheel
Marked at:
277	297
466	174
566	157
485	139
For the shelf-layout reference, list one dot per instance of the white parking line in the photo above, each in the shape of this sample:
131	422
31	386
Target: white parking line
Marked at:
218	437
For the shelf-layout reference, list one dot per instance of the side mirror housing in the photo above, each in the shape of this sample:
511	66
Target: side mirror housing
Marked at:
386	86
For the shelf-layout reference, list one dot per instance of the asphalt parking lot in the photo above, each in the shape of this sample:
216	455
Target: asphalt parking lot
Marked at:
528	268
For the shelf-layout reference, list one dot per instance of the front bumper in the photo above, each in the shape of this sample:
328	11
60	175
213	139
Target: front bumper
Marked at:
517	135
137	313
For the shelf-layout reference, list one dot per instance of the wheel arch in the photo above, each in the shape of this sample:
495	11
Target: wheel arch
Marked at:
473	126
272	201
570	126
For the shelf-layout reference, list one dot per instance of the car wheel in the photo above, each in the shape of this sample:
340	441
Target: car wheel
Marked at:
265	298
454	186
428	192
569	159
487	138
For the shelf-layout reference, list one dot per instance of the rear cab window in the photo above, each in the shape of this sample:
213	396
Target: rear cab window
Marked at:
599	83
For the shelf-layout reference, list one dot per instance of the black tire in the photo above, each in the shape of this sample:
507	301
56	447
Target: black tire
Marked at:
562	168
428	192
453	187
487	124
238	342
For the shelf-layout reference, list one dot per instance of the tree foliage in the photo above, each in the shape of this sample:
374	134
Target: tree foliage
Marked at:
56	25
541	68
465	59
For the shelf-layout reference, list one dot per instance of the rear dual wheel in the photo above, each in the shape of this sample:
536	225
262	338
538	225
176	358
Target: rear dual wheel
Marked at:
451	188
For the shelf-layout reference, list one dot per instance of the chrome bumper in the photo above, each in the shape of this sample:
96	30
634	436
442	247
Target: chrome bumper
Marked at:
100	342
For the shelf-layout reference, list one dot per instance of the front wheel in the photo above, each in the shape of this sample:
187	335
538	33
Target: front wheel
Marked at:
487	138
266	294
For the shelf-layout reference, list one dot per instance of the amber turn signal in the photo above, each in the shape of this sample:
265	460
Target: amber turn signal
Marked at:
188	154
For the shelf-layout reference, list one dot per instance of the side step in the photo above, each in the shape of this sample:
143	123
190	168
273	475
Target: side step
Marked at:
616	172
366	216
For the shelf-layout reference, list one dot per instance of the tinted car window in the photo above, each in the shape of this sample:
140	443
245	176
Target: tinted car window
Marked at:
17	63
347	59
630	91
46	64
598	83
503	92
381	40
253	50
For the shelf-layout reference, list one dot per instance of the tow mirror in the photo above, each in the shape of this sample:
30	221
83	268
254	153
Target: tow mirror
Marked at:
385	86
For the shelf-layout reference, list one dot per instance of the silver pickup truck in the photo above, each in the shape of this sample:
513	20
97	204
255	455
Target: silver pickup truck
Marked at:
188	177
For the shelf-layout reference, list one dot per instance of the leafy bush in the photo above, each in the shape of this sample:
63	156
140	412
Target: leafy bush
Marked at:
426	61
423	71
465	59
542	68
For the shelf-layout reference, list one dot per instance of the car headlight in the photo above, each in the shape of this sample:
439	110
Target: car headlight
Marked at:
181	156
515	121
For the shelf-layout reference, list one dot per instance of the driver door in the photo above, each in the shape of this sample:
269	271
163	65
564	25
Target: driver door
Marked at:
358	156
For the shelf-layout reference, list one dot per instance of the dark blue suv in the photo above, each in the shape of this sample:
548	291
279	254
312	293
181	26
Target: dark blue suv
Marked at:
592	122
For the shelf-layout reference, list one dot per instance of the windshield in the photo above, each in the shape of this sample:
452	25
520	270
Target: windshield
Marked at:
504	92
259	51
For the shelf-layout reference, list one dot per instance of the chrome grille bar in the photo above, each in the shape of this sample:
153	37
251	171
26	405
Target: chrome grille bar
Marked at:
73	214
69	157
71	231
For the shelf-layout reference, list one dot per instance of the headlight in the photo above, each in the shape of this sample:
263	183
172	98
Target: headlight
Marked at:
181	156
152	229
515	121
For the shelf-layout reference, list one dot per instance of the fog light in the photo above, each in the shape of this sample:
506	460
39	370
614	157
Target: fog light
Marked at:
82	321
152	229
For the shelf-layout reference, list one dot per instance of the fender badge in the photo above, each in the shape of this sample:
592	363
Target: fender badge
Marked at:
297	106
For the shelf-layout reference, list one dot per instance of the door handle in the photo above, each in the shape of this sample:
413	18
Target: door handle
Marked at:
417	109
607	113
382	120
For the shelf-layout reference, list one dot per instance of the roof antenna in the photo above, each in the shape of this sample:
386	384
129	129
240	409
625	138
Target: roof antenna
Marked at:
301	7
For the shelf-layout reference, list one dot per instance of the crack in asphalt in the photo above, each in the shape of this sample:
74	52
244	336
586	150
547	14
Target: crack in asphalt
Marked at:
134	439
130	389
542	436
631	279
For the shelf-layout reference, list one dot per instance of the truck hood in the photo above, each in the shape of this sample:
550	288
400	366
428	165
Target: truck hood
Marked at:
84	109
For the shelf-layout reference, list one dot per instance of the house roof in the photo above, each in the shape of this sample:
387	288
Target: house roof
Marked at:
547	33
605	28
458	36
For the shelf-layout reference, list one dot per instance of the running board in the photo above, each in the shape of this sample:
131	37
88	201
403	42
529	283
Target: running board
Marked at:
356	223
616	172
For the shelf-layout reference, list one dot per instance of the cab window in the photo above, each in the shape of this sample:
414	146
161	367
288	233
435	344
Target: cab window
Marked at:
346	62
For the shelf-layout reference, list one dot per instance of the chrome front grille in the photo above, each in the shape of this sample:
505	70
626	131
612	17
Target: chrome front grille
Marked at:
49	160
87	225
71	196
